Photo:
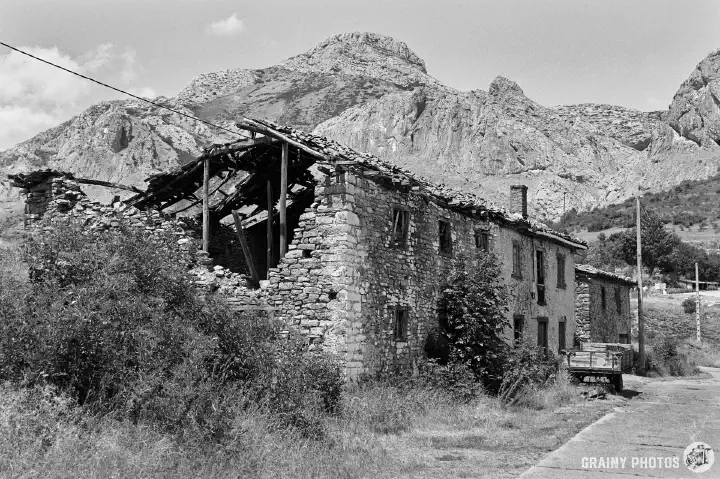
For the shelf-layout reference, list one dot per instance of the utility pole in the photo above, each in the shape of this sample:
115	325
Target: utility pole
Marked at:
697	302
206	206
641	319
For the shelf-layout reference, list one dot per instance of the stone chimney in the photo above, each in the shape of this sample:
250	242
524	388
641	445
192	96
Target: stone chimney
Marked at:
518	200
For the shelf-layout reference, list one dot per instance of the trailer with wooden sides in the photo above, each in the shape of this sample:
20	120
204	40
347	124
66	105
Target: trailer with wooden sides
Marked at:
598	360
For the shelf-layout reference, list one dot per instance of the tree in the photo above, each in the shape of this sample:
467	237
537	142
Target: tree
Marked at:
603	253
658	243
474	303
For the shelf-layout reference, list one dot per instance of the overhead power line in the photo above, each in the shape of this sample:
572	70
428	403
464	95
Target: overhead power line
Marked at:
159	105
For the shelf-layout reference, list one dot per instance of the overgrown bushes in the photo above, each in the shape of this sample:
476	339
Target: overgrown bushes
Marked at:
112	320
473	307
663	358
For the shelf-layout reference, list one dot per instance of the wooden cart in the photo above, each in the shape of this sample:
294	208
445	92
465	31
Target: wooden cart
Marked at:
598	360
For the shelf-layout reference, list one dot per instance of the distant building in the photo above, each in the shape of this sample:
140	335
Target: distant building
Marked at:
602	306
704	285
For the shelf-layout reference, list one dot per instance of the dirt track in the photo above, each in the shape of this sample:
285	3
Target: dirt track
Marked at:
661	420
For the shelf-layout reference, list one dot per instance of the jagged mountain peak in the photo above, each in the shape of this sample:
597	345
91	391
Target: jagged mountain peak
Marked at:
365	54
362	43
502	86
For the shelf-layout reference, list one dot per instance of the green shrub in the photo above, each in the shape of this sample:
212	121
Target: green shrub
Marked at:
112	320
527	368
688	305
474	305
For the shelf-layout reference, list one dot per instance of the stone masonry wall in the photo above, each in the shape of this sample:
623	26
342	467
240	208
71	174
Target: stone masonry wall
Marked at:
342	279
314	286
598	324
582	312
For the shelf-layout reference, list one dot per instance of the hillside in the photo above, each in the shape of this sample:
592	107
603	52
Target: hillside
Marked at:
690	208
374	93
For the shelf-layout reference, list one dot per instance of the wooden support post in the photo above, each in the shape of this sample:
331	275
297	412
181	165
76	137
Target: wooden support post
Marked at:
697	304
269	229
246	249
206	206
283	199
641	318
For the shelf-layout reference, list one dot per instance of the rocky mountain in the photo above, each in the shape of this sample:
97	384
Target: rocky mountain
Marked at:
373	93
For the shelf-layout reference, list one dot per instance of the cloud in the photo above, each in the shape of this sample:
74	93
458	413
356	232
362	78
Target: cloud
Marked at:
35	96
228	27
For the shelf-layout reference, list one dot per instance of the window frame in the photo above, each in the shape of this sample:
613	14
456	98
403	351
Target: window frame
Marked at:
482	240
518	328
562	332
540	276
400	327
561	283
403	215
542	320
445	247
517	260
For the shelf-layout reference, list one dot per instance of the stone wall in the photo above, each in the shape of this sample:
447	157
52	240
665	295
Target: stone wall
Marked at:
596	323
582	313
342	279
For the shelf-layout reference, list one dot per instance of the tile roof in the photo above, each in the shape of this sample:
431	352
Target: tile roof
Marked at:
587	270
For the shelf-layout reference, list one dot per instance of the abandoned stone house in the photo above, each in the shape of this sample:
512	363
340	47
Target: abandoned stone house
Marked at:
603	306
354	251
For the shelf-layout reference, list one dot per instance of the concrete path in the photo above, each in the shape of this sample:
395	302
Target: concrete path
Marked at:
661	420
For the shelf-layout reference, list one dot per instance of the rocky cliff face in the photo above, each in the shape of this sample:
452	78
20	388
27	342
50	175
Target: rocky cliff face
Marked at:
695	109
373	93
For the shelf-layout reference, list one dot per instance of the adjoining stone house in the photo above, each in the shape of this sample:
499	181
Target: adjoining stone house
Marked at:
602	311
370	245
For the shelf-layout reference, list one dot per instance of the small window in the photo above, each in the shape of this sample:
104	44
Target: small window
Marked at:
445	237
540	277
482	240
624	339
400	228
561	271
518	325
516	271
561	335
400	326
618	300
603	301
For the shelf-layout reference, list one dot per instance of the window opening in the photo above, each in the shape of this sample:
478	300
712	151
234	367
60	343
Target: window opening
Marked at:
482	240
445	236
561	271
400	228
400	326
561	335
603	301
618	301
518	325
542	340
540	276
517	272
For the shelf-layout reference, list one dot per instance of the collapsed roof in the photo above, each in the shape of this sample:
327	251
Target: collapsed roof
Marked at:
253	162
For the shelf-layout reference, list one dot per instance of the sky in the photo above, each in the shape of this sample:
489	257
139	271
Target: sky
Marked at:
633	53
